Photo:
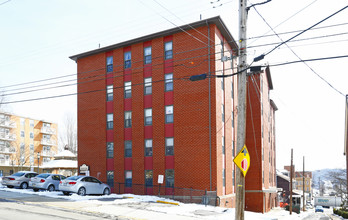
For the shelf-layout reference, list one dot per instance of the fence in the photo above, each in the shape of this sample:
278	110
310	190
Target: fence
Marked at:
185	195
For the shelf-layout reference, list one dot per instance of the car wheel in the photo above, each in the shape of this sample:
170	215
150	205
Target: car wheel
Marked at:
24	185
50	188
106	191
66	193
35	190
81	191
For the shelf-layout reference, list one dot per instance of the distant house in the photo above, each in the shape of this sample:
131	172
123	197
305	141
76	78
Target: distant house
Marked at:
64	163
283	182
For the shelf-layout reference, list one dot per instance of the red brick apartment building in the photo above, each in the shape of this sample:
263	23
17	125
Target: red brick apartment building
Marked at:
139	115
261	181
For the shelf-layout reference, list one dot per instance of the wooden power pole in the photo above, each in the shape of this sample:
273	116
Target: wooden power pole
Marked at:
241	121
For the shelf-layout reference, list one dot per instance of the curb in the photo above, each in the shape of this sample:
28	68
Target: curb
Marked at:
171	203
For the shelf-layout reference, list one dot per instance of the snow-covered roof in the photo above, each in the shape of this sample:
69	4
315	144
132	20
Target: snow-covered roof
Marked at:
60	164
65	154
283	176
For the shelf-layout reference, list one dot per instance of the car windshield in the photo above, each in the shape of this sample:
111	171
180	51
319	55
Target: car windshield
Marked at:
18	174
73	178
43	175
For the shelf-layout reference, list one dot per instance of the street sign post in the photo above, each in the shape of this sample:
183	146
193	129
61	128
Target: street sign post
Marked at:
242	160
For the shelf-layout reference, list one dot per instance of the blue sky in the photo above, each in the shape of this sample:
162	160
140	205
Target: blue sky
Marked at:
37	37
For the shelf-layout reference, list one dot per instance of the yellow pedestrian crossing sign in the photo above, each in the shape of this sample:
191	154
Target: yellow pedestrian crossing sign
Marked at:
242	160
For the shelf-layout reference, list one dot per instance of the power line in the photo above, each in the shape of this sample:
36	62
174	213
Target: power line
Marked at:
290	32
284	42
99	90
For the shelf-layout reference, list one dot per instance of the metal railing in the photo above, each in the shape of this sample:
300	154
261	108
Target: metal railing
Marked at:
185	195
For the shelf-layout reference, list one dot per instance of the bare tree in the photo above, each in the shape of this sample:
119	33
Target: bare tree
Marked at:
19	156
68	134
339	180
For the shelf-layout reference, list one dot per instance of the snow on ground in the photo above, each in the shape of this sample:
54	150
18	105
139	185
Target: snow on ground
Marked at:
103	203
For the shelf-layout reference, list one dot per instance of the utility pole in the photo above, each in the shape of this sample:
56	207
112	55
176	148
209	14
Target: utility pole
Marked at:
241	121
291	170
303	176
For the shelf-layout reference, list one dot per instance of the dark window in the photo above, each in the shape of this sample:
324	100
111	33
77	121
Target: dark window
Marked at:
109	92
148	147
169	114
168	80
223	145
169	146
127	60
169	178
223	177
110	150
109	64
168	50
148	178
109	121
110	178
128	178
147	86
128	148
128	119
223	113
147	55
148	116
127	90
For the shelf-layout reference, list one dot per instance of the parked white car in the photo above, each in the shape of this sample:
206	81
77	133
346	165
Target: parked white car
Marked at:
46	181
20	179
83	185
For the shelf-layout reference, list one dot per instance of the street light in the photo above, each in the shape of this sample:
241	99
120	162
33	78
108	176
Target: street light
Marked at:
38	162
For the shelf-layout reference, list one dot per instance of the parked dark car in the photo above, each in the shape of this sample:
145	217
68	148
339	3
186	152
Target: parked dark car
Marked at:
20	179
83	185
46	181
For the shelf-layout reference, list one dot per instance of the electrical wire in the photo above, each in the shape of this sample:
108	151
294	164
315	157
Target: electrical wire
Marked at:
285	42
92	91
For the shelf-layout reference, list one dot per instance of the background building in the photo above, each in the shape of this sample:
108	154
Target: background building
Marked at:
25	142
260	182
140	117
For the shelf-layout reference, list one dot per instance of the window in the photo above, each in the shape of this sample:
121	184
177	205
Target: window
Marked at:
31	148
128	119
109	64
168	80
110	178
22	121
109	150
147	55
233	182
31	134
109	93
22	133
169	178
169	146
223	145
127	90
127	60
223	177
128	148
223	112
169	114
147	86
148	178
232	119
31	123
168	50
232	93
148	116
222	84
233	150
109	121
128	178
148	147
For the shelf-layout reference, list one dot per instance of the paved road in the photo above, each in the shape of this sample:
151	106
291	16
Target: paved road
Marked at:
25	206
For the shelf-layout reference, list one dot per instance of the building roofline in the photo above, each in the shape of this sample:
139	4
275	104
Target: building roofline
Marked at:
214	20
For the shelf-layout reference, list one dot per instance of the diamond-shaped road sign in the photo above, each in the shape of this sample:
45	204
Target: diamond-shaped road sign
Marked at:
242	160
